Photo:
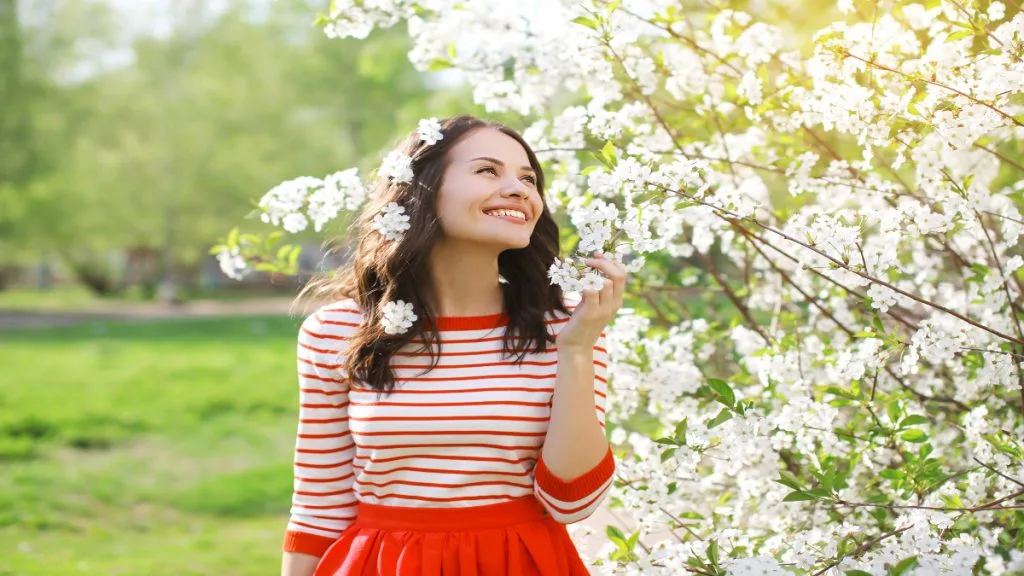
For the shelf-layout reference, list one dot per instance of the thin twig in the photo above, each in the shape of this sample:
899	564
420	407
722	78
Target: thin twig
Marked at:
937	84
862	548
1015	481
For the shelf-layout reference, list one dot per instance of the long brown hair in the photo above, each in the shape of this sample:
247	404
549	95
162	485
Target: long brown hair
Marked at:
381	271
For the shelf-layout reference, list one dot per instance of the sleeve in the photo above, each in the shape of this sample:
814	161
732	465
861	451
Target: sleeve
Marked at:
323	500
572	500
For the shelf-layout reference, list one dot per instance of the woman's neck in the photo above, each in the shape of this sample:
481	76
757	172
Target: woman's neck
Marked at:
465	281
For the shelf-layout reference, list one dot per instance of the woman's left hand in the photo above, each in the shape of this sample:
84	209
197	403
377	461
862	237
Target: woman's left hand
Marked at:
597	309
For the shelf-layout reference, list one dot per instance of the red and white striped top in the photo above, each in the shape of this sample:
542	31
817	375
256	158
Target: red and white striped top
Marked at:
468	433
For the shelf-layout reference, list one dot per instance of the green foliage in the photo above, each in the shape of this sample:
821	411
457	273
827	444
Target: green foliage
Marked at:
160	153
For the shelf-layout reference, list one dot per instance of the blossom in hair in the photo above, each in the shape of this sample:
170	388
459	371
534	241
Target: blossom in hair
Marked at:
392	222
397	166
398	317
430	131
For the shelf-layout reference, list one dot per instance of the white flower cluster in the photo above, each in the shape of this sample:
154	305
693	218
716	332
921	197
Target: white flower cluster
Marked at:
392	222
398	317
870	165
321	199
429	130
565	274
231	262
397	166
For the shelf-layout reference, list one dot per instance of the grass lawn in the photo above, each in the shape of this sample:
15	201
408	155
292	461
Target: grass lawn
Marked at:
147	448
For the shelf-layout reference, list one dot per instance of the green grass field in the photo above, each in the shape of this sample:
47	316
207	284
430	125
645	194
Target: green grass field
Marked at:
148	448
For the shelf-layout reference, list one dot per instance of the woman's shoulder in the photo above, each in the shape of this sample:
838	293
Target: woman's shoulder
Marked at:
337	318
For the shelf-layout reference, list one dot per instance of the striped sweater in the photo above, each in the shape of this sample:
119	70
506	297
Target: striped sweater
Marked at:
468	433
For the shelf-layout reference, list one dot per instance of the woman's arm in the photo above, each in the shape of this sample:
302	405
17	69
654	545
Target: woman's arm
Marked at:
576	466
298	564
323	500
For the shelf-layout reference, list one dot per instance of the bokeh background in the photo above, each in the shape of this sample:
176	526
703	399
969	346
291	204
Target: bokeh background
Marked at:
148	403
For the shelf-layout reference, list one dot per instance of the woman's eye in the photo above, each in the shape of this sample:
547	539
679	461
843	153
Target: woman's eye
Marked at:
530	179
487	169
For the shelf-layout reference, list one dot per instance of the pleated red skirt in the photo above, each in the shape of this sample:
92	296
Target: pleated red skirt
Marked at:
515	538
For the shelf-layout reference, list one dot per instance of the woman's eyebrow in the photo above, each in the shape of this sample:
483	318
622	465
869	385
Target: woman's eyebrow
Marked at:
500	163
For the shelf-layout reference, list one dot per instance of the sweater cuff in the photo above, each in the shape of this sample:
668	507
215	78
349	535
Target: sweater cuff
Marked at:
305	543
576	488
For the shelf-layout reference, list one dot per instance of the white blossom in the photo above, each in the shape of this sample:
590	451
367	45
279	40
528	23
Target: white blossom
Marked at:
430	131
397	166
397	317
232	263
392	222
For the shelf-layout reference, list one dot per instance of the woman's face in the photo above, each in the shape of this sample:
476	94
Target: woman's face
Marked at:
489	171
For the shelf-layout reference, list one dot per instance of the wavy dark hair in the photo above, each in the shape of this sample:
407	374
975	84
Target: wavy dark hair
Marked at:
382	271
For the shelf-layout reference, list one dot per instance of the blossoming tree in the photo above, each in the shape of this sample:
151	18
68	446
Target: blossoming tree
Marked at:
826	347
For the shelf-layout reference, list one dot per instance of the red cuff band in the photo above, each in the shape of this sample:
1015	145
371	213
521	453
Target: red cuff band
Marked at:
305	543
579	487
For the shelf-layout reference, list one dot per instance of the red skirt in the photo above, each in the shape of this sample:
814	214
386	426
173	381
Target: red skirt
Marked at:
515	538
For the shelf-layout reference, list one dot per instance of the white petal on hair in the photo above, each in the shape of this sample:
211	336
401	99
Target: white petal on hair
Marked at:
392	222
430	131
397	166
398	317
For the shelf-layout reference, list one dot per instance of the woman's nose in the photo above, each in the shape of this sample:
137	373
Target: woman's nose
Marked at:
516	187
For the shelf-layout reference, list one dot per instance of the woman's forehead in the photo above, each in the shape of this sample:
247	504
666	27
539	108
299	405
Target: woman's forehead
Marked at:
492	143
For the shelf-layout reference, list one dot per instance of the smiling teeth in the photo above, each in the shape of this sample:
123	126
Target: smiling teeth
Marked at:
513	213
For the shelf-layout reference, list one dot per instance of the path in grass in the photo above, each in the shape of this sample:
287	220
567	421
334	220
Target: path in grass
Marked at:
159	447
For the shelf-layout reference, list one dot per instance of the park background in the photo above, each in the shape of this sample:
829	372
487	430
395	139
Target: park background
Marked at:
147	401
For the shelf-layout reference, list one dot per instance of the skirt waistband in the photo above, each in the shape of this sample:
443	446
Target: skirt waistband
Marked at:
516	511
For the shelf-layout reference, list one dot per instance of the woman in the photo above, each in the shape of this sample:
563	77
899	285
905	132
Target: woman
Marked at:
462	443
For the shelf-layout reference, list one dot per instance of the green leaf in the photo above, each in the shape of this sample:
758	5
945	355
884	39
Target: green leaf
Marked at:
725	394
438	64
283	251
724	415
713	552
913	420
608	153
914	435
584	21
959	34
786	478
633	538
668	454
892	474
613	5
232	237
614	533
819	493
893	410
857	573
904	565
680	432
798	496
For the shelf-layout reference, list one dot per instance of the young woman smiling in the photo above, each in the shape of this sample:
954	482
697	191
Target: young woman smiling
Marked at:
457	440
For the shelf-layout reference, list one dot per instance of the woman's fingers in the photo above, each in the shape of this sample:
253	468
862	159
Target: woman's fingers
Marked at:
612	292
